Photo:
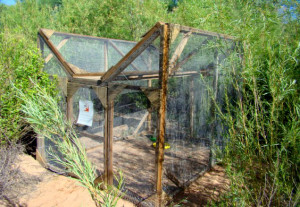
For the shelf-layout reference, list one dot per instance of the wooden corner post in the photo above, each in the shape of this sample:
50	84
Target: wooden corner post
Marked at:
163	77
108	140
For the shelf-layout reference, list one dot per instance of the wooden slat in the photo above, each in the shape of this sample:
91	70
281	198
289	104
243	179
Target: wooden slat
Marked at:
59	46
76	69
187	58
122	54
156	76
90	74
56	53
192	105
131	55
163	71
108	141
179	49
48	32
90	37
144	118
213	112
105	55
149	117
174	32
203	32
94	80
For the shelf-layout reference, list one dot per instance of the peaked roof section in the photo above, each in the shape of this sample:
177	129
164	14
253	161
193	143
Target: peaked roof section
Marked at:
115	70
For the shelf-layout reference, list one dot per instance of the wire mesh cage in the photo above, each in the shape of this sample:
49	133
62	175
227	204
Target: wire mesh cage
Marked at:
149	108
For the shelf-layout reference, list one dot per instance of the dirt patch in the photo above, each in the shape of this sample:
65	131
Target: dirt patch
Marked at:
207	188
47	189
136	159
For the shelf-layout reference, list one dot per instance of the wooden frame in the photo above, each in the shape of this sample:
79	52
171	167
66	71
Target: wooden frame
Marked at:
105	86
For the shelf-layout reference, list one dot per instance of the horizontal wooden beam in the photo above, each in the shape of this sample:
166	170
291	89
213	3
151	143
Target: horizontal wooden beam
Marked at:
156	75
131	55
91	37
202	32
94	80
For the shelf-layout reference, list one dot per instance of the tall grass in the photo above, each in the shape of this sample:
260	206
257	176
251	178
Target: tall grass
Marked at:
262	154
43	114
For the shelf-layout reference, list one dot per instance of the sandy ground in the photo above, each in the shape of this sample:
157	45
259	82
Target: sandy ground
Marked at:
47	189
207	188
136	159
42	188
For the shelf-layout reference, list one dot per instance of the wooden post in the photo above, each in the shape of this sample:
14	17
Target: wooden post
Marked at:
105	55
108	140
149	117
163	77
70	108
213	112
192	105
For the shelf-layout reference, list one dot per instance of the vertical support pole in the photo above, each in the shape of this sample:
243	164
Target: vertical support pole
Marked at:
212	158
149	117
105	55
108	140
70	108
163	77
192	106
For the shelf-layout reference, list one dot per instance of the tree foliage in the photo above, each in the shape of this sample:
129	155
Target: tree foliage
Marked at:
263	137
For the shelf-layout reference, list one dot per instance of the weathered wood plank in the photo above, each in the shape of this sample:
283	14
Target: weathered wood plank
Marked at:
192	105
59	46
203	32
163	77
179	49
67	68
105	55
122	54
144	118
213	112
131	55
76	69
175	68
108	141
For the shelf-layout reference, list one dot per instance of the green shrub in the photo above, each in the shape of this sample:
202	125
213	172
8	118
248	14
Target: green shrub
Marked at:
44	115
19	61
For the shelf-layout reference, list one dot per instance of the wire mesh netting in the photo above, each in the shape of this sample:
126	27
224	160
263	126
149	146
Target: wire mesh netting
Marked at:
99	54
193	129
200	66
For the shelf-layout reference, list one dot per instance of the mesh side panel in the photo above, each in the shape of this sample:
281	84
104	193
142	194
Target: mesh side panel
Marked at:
89	53
148	60
198	51
187	131
134	127
90	136
193	127
52	66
